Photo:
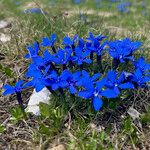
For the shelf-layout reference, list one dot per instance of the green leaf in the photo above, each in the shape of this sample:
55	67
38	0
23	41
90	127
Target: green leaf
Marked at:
2	128
17	114
1	67
103	135
145	118
128	128
8	71
43	129
113	104
44	109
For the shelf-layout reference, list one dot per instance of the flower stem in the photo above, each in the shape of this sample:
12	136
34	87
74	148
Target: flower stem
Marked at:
91	56
73	49
99	63
64	66
53	67
62	93
51	91
81	67
115	63
53	49
20	102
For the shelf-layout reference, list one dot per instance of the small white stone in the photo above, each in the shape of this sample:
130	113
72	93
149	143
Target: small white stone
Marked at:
133	113
36	98
4	24
4	38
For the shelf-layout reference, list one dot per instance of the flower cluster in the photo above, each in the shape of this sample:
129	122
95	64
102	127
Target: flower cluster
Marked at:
124	7
70	68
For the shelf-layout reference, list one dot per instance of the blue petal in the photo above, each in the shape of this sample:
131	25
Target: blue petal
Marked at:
121	78
9	91
86	53
109	93
112	76
48	56
27	56
19	83
39	87
29	84
65	74
72	89
100	84
76	75
63	84
60	54
55	87
67	41
116	89
97	103
88	84
36	47
78	51
95	76
88	61
85	94
46	70
146	79
7	87
85	74
79	62
138	73
127	85
46	42
37	60
109	84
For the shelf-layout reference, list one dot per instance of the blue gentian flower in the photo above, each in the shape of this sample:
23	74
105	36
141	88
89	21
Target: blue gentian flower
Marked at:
62	57
32	51
13	89
122	49
48	57
19	86
139	79
34	10
77	1
95	92
93	39
67	41
117	83
81	57
86	77
142	65
39	79
60	81
114	0
17	3
93	45
32	70
81	43
49	41
124	7
98	3
71	80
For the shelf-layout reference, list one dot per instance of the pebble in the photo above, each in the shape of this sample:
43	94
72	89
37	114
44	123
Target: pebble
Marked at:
4	37
4	24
